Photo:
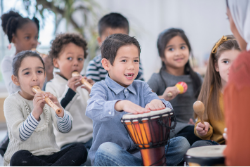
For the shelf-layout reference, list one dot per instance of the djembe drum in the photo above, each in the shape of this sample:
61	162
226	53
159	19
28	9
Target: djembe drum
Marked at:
206	156
150	132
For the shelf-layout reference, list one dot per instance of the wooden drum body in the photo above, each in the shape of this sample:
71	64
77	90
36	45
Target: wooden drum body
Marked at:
150	132
206	156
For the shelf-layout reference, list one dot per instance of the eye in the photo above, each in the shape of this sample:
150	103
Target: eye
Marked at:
39	71
171	49
70	58
80	59
136	61
27	37
36	37
225	61
124	61
27	73
183	47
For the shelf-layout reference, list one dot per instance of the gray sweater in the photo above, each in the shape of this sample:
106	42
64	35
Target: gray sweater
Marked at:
182	103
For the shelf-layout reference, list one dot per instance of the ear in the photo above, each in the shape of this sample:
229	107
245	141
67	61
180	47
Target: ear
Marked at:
13	38
55	63
216	66
15	80
106	64
99	39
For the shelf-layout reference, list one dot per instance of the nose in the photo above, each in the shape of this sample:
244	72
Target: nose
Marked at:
34	43
34	77
177	52
131	66
75	63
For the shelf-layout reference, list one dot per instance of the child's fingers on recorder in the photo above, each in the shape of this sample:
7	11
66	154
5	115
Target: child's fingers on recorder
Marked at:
75	79
87	88
89	80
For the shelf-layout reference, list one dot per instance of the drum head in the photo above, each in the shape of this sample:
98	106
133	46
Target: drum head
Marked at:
150	114
206	155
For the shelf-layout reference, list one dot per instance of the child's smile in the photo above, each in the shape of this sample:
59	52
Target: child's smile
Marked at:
129	76
125	67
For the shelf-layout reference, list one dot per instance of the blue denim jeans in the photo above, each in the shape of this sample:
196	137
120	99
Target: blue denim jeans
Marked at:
204	143
111	154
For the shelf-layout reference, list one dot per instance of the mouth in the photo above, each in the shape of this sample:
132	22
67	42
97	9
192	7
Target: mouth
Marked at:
129	76
178	59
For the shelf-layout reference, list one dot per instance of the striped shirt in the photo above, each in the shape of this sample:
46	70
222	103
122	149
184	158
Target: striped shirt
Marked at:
30	124
96	72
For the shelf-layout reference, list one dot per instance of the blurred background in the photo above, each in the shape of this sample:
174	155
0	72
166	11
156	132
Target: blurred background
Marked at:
203	21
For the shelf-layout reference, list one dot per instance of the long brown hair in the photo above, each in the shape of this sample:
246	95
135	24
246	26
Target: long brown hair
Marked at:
210	90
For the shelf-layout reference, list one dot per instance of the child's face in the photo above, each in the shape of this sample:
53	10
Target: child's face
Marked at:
31	73
126	65
110	31
70	59
26	37
176	53
224	63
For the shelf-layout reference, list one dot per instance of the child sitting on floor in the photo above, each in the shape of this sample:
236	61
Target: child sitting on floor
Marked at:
117	95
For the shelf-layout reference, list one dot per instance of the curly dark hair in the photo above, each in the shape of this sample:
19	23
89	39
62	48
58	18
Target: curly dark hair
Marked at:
63	39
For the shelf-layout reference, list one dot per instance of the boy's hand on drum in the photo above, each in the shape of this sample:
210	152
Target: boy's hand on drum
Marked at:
38	103
130	107
74	82
155	104
170	93
90	81
202	129
55	101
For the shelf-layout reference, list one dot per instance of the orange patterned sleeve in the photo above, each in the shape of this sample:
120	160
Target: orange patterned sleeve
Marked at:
237	112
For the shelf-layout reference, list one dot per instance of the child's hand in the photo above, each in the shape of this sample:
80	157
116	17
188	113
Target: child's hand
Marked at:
38	103
90	81
191	122
202	129
74	82
55	101
128	106
174	92
155	104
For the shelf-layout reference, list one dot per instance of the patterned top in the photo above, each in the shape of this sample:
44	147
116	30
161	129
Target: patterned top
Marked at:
25	133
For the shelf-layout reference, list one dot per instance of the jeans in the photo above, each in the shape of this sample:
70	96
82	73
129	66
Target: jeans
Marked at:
87	145
111	154
73	155
204	143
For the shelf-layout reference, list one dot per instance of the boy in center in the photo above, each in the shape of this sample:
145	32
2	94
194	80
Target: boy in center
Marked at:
117	95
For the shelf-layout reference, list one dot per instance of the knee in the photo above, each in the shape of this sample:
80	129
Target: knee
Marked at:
19	158
106	151
108	148
201	143
182	144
